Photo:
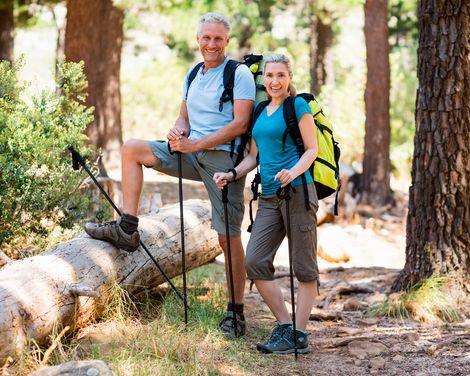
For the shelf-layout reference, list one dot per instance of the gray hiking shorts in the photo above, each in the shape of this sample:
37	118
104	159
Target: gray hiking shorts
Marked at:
269	230
201	166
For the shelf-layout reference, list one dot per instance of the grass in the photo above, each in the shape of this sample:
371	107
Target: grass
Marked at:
148	336
432	300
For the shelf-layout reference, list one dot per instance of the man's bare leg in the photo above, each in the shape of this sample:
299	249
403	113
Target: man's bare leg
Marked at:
238	266
123	234
239	279
135	154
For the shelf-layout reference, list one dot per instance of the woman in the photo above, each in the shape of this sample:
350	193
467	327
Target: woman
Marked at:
280	167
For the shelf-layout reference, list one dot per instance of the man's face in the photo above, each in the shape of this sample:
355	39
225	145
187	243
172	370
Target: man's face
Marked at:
212	40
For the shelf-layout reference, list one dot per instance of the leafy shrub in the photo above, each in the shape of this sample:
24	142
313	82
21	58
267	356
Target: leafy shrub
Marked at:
38	188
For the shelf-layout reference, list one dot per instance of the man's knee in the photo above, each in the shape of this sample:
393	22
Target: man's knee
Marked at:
138	151
130	147
235	243
223	241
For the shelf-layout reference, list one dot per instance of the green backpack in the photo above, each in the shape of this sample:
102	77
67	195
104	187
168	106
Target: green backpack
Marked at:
325	168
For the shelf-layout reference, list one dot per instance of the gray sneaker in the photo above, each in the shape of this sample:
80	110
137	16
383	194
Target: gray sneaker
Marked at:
114	234
284	343
227	325
278	330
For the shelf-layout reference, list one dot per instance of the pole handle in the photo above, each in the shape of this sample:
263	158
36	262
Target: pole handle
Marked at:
283	193
225	194
171	151
77	159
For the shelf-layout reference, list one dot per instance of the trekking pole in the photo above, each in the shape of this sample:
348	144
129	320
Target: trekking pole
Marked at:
183	250
77	160
229	255
284	194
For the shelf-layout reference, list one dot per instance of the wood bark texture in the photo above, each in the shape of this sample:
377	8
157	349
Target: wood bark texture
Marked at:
94	34
376	160
321	57
438	223
70	284
6	30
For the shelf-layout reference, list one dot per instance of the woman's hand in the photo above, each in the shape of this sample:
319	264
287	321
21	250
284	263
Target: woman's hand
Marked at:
221	179
285	177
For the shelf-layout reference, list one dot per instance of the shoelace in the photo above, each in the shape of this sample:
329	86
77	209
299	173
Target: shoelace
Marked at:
230	319
277	333
106	224
285	334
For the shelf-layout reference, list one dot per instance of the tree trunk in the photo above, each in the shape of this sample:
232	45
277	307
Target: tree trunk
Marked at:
94	34
376	160
60	42
438	223
321	40
70	284
6	30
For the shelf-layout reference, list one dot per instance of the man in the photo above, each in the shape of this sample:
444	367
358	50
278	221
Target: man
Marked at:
202	133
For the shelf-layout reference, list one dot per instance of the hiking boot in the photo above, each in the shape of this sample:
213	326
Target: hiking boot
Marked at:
114	234
284	343
227	326
276	333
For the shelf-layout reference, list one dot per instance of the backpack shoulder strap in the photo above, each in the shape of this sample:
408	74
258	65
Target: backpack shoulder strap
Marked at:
257	112
292	125
229	73
192	76
229	82
245	137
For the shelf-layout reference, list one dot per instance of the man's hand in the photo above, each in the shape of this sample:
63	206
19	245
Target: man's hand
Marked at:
176	133
183	145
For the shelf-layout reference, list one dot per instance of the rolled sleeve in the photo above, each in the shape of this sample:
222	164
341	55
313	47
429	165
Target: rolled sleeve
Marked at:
244	87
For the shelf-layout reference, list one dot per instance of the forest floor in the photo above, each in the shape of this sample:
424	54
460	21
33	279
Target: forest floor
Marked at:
347	337
347	340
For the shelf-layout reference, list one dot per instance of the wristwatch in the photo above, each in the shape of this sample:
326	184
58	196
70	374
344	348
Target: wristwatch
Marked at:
234	172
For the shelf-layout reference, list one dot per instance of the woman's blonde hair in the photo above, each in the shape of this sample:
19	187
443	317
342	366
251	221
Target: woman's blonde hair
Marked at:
281	58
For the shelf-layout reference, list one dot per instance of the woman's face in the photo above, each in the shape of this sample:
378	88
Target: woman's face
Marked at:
276	80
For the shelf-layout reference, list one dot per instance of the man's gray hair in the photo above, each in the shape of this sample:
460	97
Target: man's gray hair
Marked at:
214	17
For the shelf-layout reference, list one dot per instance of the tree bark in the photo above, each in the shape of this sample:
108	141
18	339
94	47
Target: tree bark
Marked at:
438	223
321	40
376	160
6	30
69	284
60	42
94	34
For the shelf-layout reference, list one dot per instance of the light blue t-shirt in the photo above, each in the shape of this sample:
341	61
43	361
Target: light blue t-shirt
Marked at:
203	100
267	133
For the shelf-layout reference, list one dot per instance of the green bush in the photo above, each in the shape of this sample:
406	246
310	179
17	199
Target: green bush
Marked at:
38	188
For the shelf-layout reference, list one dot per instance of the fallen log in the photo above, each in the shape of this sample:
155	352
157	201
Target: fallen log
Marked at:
69	284
4	259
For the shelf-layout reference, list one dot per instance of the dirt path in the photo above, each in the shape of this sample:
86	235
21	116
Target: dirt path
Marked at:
345	341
